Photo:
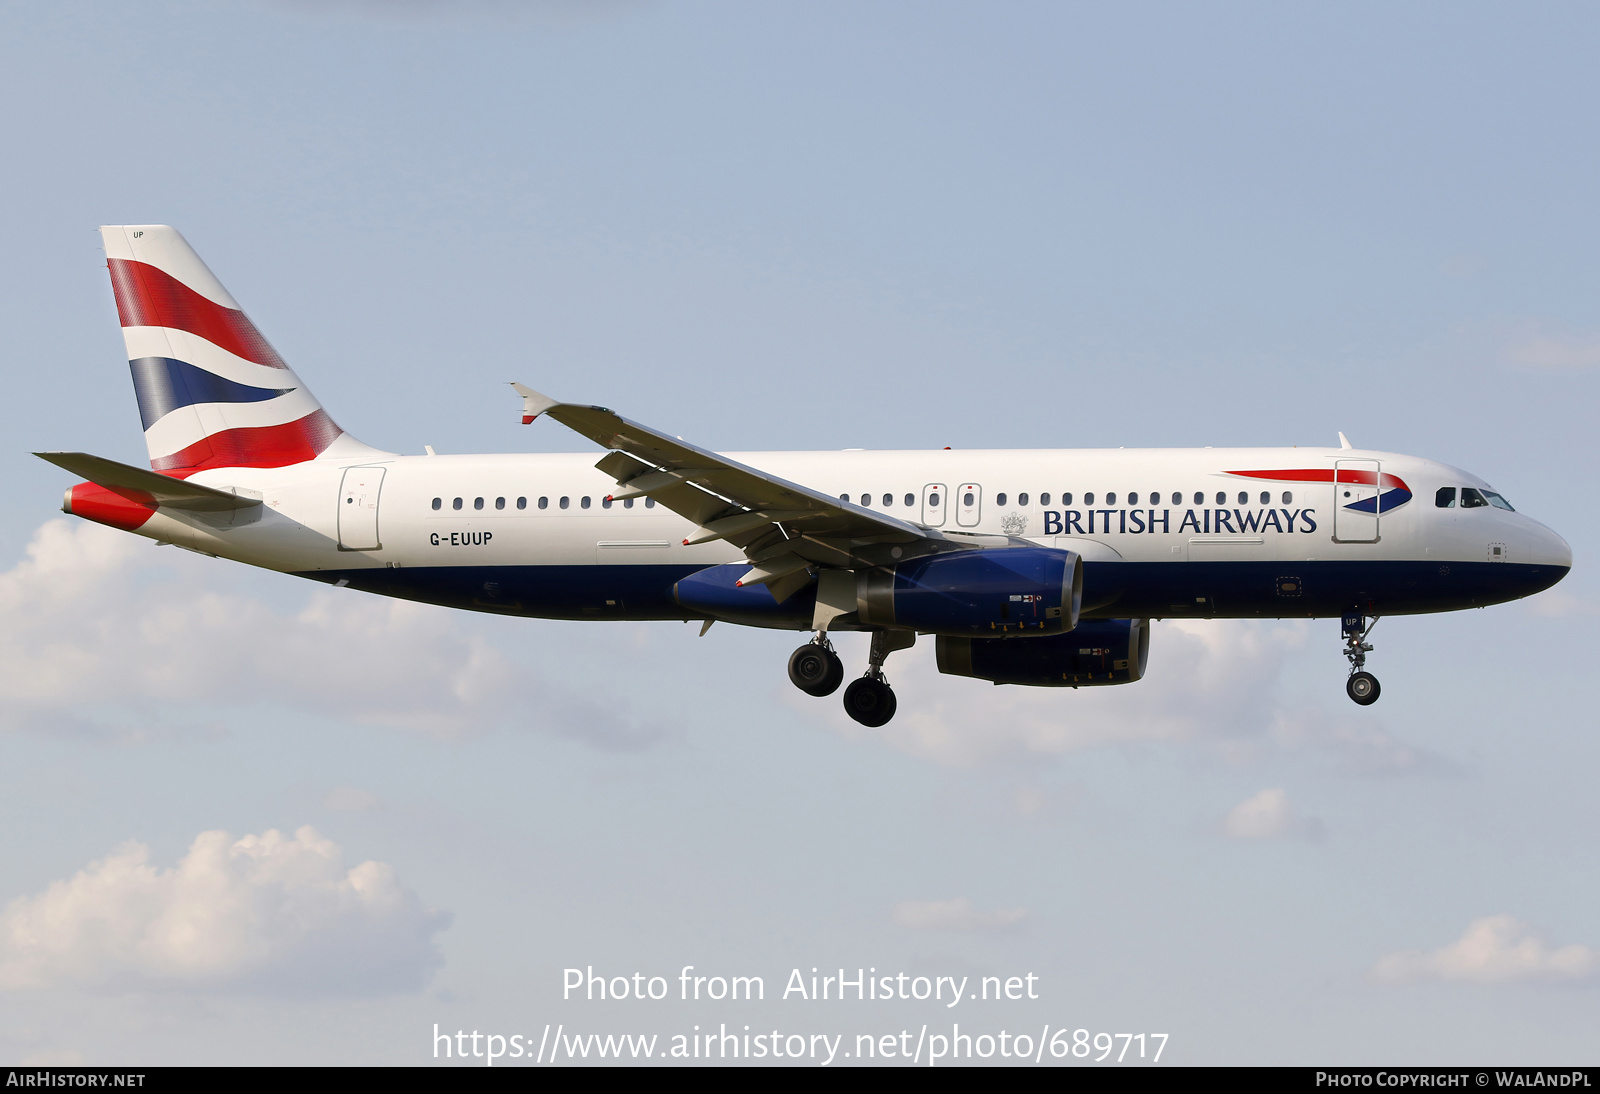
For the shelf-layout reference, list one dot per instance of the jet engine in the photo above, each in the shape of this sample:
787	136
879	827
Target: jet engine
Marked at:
1097	652
1031	591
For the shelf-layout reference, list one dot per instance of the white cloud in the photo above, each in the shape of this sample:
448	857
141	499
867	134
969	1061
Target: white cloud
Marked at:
1497	949
1464	264
1210	683
1553	353
1558	604
1268	815
954	915
350	799
97	626
265	913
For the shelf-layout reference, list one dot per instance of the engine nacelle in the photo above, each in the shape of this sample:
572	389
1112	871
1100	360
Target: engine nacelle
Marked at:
1099	651
1032	591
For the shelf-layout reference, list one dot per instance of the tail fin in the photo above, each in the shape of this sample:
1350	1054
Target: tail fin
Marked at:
212	392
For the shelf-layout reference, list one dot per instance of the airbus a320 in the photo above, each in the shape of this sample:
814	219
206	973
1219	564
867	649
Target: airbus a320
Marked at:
1027	567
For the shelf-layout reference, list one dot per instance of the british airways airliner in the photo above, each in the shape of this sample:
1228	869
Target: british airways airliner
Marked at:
1033	567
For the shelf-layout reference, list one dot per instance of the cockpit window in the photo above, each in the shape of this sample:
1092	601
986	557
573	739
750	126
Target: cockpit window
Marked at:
1471	499
1445	498
1498	502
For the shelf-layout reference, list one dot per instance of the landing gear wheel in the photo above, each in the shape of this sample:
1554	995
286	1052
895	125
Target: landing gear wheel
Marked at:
816	670
870	701
1363	688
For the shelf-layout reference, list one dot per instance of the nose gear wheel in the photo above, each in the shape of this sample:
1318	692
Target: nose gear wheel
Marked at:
1363	688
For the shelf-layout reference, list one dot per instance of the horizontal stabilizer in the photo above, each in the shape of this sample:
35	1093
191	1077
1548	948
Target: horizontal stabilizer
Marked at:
168	491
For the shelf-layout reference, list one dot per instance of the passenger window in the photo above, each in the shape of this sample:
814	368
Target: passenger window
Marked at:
522	503
627	503
456	504
1111	498
1498	502
1044	498
999	499
1222	497
1288	498
911	499
477	503
585	502
844	497
1133	498
888	501
1445	498
968	499
605	503
1066	499
1471	499
1266	497
1199	498
866	501
499	503
1088	499
649	503
565	502
1022	499
438	503
1244	497
544	503
933	501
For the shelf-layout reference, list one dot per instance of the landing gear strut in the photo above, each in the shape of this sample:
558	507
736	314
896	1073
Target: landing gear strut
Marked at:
1362	685
870	700
815	669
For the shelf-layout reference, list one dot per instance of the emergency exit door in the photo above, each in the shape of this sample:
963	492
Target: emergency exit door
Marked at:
969	504
358	508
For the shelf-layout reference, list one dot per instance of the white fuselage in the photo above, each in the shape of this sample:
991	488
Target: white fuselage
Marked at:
1152	510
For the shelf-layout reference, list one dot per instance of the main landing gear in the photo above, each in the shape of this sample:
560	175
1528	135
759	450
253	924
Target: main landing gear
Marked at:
1362	685
816	670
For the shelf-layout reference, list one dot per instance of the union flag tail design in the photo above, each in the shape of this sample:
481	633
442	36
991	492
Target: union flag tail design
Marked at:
212	391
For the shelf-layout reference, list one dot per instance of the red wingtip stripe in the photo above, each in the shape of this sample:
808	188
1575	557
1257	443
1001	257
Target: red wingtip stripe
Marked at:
255	446
150	297
527	419
124	509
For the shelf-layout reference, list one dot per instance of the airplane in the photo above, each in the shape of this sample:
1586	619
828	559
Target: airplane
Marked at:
1026	567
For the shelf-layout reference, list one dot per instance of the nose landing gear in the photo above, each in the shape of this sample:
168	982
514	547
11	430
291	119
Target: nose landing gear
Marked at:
1362	685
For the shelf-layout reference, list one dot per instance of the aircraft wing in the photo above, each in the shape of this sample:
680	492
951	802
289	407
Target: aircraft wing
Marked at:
166	490
784	528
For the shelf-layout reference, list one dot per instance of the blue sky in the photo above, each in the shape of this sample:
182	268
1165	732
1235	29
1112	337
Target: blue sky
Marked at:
791	227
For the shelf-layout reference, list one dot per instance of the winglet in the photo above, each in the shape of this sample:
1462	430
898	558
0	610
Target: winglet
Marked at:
533	404
1344	442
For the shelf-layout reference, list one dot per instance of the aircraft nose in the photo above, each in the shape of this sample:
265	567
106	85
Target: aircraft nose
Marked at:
1548	553
1550	549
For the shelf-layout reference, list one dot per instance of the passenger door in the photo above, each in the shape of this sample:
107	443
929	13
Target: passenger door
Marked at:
1355	501
358	508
